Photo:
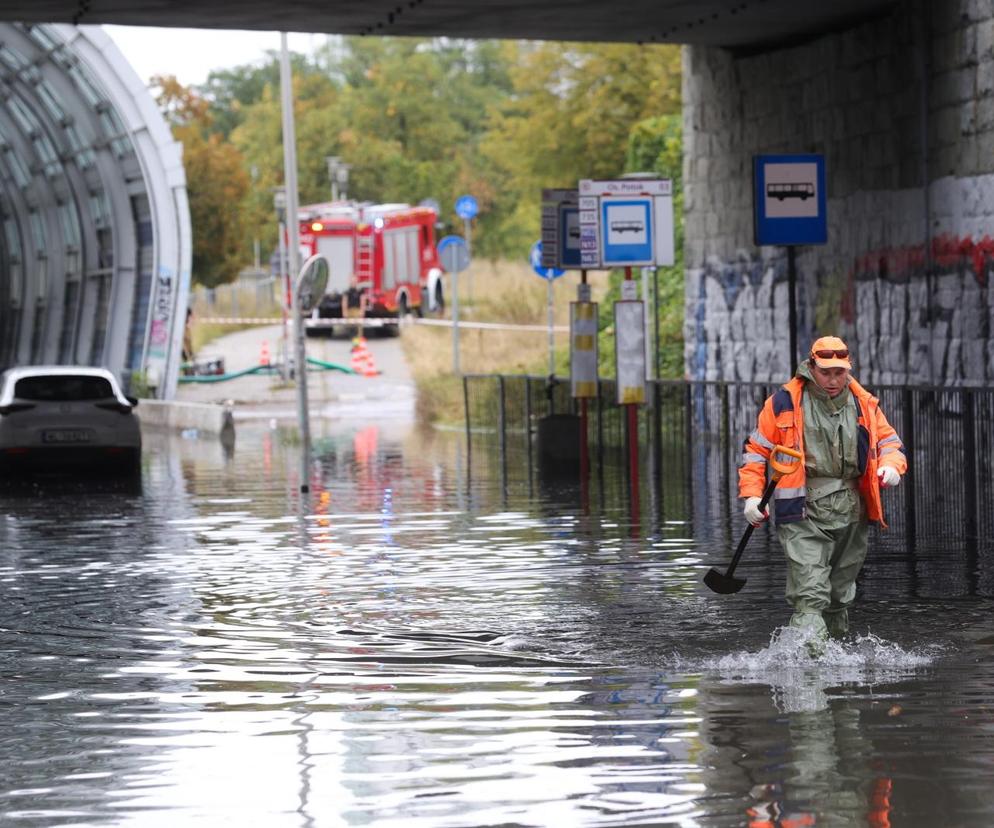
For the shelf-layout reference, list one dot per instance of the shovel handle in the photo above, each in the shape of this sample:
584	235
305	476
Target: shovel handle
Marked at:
780	468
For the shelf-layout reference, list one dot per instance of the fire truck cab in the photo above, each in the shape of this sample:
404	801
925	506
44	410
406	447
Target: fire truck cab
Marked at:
382	260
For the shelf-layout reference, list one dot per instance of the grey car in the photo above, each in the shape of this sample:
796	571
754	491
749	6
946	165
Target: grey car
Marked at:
67	418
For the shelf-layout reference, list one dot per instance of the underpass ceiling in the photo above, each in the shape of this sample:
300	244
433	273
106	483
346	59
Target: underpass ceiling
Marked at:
731	23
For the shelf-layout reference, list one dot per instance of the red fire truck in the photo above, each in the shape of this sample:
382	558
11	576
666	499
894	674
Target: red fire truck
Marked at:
382	258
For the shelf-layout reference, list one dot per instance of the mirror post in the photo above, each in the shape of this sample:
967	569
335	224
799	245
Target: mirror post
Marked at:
293	259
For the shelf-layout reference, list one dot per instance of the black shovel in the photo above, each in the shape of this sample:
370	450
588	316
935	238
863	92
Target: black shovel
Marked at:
725	583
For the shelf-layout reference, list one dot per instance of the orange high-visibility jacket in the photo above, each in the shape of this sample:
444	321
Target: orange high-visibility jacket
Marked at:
781	422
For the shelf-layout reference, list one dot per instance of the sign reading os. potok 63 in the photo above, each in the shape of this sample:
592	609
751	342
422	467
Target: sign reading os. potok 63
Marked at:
626	222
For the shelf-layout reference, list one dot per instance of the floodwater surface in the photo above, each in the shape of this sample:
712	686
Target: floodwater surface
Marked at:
419	642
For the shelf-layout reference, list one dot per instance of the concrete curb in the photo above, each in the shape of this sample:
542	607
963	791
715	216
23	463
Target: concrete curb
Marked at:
209	418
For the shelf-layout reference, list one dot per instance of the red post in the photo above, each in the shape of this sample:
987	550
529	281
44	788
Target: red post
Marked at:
633	444
633	456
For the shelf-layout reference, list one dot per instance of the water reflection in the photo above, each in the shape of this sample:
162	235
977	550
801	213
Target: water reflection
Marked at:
438	638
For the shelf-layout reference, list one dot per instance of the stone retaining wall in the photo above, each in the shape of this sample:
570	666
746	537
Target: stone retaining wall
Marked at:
904	274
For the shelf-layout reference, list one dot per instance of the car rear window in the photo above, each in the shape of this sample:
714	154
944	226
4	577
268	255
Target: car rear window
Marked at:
62	388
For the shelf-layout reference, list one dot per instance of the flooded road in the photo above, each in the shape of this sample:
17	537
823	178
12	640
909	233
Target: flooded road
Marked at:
421	642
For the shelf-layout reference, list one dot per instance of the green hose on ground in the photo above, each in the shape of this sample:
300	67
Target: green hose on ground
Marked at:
326	366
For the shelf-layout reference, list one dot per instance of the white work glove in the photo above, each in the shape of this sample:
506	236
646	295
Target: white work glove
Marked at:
888	476
752	513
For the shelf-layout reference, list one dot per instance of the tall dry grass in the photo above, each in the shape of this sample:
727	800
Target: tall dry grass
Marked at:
491	292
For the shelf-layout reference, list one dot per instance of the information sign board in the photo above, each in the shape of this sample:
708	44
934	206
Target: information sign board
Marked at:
629	338
626	222
560	229
789	199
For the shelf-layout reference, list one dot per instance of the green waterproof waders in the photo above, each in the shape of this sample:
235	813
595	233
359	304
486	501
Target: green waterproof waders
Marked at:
823	560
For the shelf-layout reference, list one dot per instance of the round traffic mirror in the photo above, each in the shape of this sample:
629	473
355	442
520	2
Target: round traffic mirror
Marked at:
311	283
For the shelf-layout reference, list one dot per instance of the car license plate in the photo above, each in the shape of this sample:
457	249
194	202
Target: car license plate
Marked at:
66	435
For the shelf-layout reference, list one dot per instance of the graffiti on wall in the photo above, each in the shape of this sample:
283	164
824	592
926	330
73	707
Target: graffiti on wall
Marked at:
908	317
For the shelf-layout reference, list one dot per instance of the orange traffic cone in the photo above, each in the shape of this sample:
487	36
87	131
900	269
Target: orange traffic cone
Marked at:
264	353
356	359
369	366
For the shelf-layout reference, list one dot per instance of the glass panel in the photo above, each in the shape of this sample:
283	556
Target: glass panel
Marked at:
36	334
47	97
63	388
143	283
37	230
25	120
42	37
84	85
13	238
17	168
70	225
102	285
12	59
68	334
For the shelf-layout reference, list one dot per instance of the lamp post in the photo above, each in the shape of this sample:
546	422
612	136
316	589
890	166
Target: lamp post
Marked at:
293	257
279	204
338	175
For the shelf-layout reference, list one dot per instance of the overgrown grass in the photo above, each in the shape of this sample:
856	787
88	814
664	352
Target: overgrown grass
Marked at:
492	292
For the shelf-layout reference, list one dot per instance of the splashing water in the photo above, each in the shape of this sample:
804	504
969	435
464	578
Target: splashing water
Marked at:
790	649
799	681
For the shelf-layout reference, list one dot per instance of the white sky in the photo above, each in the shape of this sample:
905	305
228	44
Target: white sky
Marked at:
190	54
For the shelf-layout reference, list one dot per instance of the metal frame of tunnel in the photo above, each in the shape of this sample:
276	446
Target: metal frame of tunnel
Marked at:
95	245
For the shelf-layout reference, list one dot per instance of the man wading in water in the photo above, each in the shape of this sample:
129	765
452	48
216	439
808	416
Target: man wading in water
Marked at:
822	510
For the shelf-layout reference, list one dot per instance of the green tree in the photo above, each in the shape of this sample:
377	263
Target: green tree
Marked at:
216	184
570	116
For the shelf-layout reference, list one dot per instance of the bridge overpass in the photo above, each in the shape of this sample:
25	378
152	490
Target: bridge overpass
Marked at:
898	95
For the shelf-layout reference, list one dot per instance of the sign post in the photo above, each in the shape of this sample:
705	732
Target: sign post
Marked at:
293	248
453	253
627	223
308	288
790	209
467	208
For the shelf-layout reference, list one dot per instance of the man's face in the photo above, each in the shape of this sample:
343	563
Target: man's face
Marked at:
832	380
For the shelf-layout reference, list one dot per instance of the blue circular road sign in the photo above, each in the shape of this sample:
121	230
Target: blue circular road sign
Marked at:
466	207
535	258
453	254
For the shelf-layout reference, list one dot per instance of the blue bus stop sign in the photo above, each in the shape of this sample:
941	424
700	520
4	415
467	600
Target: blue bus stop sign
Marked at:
535	258
790	199
466	207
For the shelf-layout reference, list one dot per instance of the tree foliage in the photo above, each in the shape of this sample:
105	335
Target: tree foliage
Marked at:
216	182
424	119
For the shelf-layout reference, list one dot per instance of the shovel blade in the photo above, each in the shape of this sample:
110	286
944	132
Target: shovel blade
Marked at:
723	584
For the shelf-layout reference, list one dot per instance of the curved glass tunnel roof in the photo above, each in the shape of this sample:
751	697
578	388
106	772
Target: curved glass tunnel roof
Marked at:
95	245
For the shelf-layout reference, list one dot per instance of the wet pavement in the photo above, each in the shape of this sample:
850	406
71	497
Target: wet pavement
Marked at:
422	642
331	394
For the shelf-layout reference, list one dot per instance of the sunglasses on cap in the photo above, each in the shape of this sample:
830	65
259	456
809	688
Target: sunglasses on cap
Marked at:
841	353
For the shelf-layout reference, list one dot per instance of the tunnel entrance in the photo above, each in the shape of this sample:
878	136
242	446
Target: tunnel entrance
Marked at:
95	242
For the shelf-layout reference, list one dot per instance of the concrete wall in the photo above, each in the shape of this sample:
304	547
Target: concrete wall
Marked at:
892	104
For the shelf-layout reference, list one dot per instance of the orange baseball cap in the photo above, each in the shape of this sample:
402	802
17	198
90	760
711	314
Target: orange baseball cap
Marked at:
830	352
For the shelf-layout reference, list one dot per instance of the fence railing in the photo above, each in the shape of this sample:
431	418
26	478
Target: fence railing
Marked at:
692	433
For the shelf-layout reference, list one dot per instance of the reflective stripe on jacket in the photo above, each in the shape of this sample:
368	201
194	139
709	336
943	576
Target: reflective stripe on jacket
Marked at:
781	422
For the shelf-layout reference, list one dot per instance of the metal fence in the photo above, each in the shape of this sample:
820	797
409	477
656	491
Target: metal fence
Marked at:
692	434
